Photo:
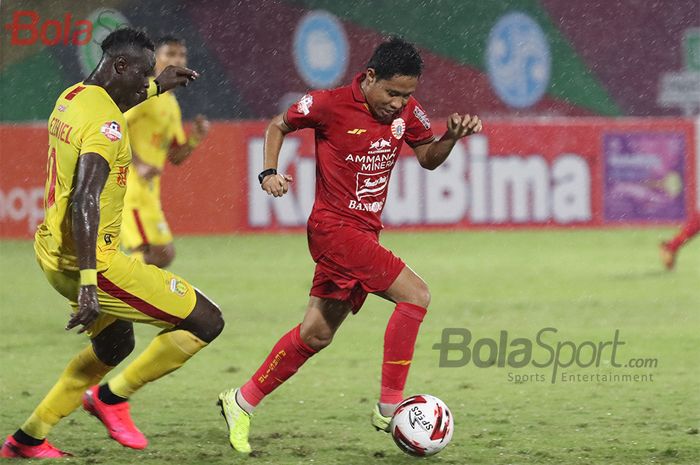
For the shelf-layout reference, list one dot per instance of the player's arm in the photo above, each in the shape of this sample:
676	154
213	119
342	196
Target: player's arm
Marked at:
432	155
143	169
170	78
275	184
91	177
179	153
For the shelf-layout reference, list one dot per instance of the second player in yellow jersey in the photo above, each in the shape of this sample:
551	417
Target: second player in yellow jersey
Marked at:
157	137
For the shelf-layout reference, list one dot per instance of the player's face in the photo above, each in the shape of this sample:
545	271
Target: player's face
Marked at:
170	54
134	76
387	97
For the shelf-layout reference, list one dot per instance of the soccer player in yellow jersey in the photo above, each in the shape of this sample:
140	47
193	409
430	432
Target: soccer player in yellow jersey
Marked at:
157	136
77	248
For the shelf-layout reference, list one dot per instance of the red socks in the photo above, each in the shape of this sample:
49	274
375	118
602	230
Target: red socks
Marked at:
399	342
690	229
290	353
286	357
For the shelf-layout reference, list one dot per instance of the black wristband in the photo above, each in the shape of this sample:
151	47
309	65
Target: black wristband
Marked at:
266	173
157	87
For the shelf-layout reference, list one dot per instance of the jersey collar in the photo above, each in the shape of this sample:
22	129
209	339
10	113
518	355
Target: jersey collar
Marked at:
356	90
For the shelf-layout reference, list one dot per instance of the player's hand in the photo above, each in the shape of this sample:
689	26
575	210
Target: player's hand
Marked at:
88	309
201	127
146	171
460	126
174	76
276	185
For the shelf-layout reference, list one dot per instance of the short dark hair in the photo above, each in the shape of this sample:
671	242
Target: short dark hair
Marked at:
396	57
169	39
125	37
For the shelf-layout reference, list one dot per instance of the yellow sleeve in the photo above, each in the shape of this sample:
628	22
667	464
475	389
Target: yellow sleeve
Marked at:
179	135
104	138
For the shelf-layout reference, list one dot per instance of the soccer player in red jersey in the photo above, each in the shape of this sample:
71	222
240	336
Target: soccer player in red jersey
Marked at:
359	132
669	249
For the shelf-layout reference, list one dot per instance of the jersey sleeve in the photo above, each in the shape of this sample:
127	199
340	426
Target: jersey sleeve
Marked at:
418	130
309	112
104	137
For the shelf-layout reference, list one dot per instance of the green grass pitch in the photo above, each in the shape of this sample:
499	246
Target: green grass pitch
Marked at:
585	283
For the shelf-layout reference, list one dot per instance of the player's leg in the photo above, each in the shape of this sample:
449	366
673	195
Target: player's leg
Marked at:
412	297
322	319
669	249
112	341
138	292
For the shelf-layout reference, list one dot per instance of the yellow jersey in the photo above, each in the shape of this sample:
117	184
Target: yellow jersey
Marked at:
85	119
154	127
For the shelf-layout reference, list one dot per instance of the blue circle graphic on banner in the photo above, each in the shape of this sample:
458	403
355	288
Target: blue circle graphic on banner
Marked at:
518	60
320	49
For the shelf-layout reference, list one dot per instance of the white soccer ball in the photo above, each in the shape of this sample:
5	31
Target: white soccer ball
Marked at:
422	425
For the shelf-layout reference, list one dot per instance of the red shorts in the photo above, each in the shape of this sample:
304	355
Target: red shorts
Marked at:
350	263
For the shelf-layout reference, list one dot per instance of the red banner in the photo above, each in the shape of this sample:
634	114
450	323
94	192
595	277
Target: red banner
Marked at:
546	173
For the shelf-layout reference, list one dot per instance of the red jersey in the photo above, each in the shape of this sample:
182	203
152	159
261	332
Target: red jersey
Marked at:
355	153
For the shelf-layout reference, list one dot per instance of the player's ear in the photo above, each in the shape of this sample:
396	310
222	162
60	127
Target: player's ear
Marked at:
371	76
120	64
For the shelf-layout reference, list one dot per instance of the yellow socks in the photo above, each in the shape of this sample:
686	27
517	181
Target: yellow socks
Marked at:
167	352
83	371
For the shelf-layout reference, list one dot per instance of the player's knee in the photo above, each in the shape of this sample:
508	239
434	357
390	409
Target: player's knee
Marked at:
206	321
421	295
114	348
317	340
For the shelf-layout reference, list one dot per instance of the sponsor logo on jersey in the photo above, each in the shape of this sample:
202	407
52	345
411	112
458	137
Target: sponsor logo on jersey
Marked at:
112	131
304	105
398	128
379	146
422	117
371	184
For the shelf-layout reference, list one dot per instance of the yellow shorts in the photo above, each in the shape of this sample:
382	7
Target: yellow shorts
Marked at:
144	224
130	290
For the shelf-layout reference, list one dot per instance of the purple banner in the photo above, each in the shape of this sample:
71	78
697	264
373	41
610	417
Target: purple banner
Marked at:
644	176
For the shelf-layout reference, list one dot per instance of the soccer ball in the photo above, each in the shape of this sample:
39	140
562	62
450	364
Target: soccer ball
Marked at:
422	425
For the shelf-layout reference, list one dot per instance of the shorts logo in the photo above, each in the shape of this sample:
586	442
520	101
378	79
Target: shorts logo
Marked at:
422	117
61	108
371	185
178	287
112	131
398	127
304	105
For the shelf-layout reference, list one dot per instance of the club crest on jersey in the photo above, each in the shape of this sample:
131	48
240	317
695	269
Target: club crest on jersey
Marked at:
371	184
112	131
398	128
304	104
422	117
178	287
